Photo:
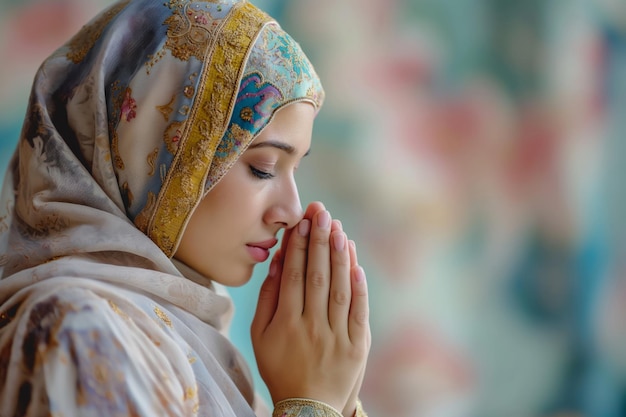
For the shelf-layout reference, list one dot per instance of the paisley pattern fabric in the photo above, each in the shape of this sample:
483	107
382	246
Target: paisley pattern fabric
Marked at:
129	125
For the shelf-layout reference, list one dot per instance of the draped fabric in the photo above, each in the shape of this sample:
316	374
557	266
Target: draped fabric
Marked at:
129	125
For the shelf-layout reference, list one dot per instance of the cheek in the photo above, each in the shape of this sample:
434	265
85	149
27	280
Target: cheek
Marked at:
197	240
238	196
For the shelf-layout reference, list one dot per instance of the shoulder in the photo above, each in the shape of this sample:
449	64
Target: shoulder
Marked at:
86	351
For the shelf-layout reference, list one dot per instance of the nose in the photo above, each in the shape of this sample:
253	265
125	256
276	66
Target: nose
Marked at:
285	210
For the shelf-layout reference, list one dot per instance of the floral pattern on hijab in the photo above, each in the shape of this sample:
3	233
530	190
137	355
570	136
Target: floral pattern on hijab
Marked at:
235	67
129	125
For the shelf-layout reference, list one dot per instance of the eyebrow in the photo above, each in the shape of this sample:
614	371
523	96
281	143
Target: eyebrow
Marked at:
278	145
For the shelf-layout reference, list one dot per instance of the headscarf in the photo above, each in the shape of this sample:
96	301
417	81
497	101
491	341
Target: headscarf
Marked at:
128	126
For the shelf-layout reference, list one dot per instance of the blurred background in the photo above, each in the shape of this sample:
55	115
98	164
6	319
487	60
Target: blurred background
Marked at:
474	150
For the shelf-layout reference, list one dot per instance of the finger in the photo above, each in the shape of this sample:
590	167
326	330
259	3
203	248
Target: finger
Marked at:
318	267
278	259
335	226
268	298
358	322
285	239
354	261
311	209
340	287
291	297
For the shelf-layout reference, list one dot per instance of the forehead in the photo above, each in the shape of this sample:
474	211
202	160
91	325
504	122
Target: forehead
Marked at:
290	129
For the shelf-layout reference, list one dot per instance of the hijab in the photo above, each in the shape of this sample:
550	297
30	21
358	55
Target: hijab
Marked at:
128	126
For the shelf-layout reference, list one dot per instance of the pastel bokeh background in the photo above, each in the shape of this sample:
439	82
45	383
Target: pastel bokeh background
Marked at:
474	149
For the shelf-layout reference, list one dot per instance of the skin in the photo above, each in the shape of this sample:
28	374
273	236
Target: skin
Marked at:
318	305
311	332
243	208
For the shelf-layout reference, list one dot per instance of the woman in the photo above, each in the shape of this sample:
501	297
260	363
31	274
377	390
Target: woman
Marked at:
155	163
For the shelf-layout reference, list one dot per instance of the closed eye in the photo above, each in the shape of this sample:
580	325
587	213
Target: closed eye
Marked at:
263	175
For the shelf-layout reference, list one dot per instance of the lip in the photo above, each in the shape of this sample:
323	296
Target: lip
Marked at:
266	244
260	251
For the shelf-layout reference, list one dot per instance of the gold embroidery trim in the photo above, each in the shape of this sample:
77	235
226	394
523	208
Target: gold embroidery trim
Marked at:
217	91
167	109
164	318
302	407
172	136
117	310
185	38
4	319
85	39
152	159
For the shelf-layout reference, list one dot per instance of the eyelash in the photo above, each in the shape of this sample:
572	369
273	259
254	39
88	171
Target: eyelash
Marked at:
262	175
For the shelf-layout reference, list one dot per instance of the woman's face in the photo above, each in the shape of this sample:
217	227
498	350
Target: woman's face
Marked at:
236	224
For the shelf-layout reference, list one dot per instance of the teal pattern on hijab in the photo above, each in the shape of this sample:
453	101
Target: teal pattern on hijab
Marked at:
128	126
157	100
277	73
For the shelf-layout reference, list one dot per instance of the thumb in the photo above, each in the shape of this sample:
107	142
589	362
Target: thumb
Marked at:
268	297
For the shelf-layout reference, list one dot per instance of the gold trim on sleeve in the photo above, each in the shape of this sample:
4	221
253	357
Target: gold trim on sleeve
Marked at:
302	407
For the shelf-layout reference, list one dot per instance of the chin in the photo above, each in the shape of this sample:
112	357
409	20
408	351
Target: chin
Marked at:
236	278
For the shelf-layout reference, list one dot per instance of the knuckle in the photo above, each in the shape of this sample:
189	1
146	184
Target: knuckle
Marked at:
341	297
319	239
317	279
313	334
341	259
300	243
294	275
360	291
361	317
291	326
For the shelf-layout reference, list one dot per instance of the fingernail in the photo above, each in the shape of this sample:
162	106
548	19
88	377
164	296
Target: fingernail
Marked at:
323	219
339	241
303	227
359	275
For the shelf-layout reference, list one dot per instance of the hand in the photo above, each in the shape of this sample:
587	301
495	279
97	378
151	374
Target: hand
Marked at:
311	332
